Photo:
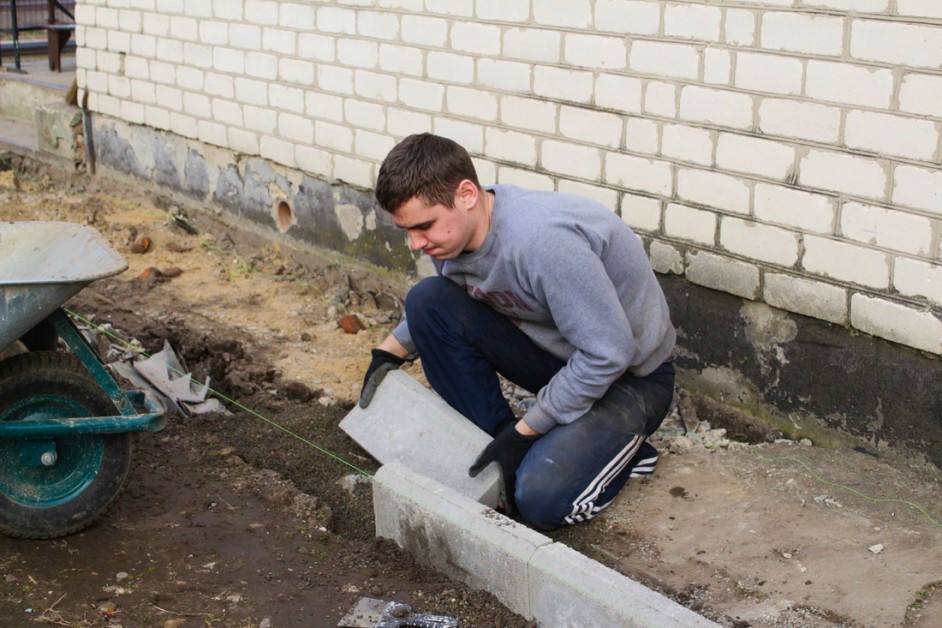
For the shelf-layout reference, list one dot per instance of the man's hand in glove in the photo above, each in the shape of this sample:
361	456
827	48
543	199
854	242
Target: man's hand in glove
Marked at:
508	450
382	363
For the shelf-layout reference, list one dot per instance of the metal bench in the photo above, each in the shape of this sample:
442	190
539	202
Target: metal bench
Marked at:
58	36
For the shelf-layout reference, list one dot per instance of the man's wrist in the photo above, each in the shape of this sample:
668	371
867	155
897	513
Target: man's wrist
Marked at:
526	430
391	345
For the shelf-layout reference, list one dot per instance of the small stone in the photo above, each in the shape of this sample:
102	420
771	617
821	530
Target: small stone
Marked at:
680	444
806	442
876	549
174	623
121	575
350	482
150	272
400	611
108	608
351	324
141	245
171	272
178	248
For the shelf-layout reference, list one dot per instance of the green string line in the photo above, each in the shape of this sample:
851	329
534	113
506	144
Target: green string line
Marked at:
222	396
812	472
406	497
878	500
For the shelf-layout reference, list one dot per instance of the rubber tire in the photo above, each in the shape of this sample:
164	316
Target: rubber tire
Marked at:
26	378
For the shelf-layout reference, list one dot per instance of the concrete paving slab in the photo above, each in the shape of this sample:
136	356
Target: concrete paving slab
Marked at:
456	535
409	424
569	589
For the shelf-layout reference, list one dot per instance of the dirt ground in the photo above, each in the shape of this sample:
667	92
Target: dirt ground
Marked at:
256	518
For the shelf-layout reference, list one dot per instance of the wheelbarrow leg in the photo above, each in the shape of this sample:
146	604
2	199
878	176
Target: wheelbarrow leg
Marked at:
76	341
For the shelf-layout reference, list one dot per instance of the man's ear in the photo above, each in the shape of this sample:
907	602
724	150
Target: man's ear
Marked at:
466	194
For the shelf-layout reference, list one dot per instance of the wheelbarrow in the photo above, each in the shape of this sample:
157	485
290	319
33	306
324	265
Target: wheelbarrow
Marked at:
67	430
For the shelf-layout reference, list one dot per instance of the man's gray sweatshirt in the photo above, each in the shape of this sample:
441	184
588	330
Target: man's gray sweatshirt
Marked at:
576	280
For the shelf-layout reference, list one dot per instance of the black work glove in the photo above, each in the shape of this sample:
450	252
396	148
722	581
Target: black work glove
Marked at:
508	450
382	363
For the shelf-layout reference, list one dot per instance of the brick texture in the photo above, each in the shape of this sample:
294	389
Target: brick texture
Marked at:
797	143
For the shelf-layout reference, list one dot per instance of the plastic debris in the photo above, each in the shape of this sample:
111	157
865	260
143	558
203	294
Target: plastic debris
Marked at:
164	373
372	613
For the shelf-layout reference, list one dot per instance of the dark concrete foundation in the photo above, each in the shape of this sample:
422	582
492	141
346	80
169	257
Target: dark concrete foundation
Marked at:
810	378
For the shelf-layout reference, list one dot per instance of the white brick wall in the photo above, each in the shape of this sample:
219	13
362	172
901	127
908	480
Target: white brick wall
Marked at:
717	190
785	150
718	107
604	129
687	223
846	262
887	228
638	174
776	74
686	143
692	22
804	296
723	273
838	172
741	153
832	81
628	16
567	158
897	322
800	120
759	242
921	94
911	45
891	135
804	211
665	59
595	51
805	34
918	279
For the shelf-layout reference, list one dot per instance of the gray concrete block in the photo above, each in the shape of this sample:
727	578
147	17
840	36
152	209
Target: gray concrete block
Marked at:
569	589
409	424
455	535
58	129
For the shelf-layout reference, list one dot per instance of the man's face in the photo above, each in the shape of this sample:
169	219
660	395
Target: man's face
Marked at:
441	232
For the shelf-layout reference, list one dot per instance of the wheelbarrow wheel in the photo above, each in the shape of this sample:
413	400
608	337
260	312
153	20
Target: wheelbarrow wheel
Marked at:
41	502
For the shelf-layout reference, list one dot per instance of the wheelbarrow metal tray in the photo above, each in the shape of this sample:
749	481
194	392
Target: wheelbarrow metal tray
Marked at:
43	265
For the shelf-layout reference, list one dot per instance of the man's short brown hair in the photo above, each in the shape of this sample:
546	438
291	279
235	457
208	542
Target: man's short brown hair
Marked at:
423	165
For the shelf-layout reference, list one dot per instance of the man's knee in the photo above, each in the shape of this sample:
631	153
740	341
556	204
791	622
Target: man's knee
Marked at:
427	293
539	503
431	295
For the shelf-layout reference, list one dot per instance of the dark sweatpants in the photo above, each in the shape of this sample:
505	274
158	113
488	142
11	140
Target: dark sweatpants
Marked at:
574	470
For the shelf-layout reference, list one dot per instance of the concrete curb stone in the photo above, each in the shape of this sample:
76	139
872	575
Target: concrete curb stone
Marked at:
470	542
525	570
